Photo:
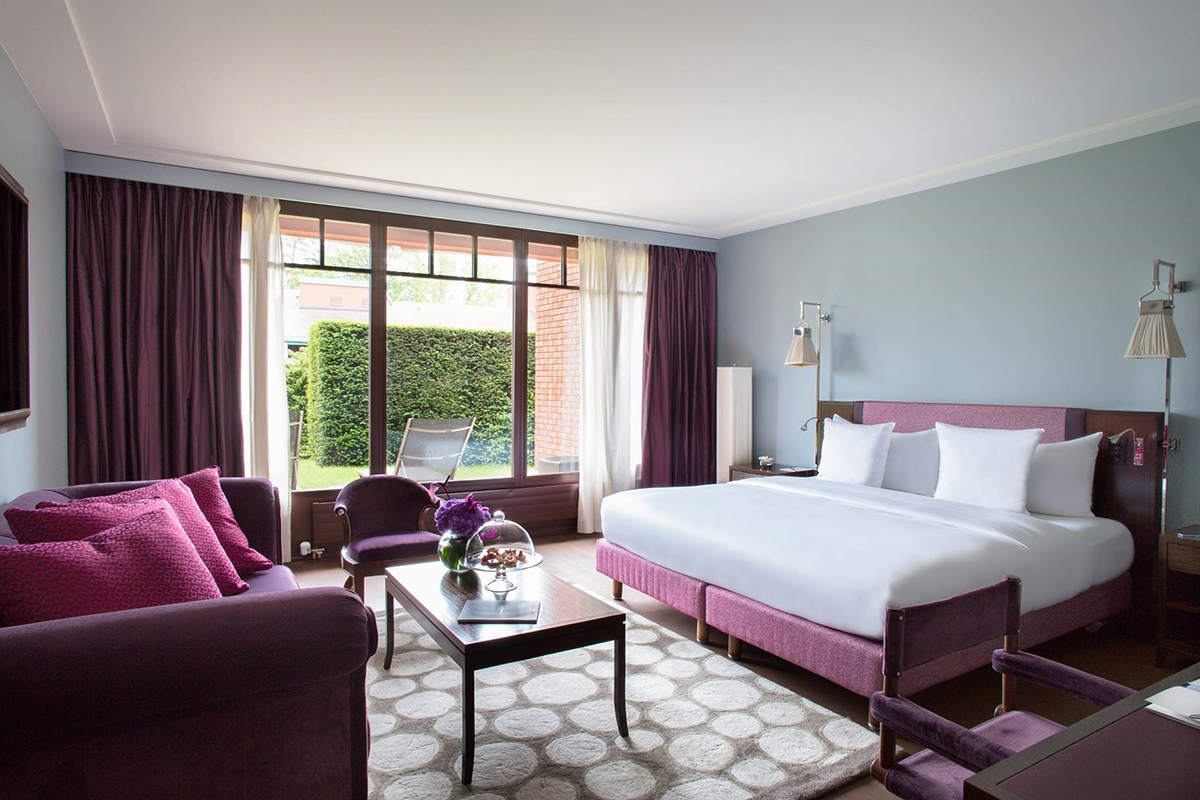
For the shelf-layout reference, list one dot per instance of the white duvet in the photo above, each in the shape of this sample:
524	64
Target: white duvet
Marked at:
839	554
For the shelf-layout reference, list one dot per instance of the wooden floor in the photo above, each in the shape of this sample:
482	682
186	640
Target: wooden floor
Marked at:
967	700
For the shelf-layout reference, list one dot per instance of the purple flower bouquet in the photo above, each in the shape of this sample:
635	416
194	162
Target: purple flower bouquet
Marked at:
457	520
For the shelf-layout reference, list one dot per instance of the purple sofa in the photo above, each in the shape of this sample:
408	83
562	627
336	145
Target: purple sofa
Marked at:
261	695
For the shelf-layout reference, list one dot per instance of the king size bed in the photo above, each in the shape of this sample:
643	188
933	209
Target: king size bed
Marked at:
806	568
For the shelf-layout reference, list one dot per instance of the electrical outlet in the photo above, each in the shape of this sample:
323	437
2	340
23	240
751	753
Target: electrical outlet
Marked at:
1139	451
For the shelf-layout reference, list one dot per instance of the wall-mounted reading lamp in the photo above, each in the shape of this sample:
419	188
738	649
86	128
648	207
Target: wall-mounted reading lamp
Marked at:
805	352
1156	337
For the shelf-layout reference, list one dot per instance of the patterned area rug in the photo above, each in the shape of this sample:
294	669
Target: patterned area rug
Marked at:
702	727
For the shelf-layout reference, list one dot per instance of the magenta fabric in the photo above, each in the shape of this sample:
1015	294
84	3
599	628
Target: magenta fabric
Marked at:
276	579
1060	677
255	504
679	369
850	661
917	634
154	325
856	663
71	522
964	747
678	591
1059	424
194	701
847	660
380	505
206	489
180	498
393	545
929	776
147	561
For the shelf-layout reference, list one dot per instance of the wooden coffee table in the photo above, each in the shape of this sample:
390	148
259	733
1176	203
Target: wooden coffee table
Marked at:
569	619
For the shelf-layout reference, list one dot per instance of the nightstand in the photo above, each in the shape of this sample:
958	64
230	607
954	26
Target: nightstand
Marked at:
739	471
1179	595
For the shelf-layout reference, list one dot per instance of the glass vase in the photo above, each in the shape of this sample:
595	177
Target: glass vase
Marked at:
452	548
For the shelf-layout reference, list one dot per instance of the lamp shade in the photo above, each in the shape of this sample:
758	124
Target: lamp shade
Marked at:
802	353
1155	335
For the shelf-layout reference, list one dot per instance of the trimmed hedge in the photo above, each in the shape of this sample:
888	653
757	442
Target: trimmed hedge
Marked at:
432	372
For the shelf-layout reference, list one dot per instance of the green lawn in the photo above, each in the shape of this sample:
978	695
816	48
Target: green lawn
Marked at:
314	476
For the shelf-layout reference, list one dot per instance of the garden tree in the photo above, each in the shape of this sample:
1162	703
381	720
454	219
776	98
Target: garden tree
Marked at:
296	376
431	372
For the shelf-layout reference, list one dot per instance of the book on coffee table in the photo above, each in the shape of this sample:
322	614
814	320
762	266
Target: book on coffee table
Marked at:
481	611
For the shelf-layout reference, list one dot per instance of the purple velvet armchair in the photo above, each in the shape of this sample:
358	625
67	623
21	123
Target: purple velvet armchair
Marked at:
919	634
385	519
261	695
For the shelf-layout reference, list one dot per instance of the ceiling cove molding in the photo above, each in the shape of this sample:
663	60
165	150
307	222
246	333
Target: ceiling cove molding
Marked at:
367	195
91	71
1109	133
386	186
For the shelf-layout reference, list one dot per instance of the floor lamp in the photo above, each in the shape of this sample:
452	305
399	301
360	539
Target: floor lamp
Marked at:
1156	337
804	352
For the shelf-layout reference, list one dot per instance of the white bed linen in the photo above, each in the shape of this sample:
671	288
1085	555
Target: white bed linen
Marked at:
1108	542
840	554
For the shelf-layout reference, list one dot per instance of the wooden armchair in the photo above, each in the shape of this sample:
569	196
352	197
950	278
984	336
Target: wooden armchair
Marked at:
919	634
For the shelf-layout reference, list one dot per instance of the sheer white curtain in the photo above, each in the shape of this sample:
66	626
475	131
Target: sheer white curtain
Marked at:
612	321
264	391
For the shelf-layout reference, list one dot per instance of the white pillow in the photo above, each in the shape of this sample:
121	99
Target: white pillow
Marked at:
912	461
985	467
854	453
1060	479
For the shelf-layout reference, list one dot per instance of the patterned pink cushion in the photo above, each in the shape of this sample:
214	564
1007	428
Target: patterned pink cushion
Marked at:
72	522
147	561
179	498
206	488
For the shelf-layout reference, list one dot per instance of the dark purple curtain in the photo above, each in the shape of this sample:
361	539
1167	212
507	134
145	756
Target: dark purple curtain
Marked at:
679	394
154	308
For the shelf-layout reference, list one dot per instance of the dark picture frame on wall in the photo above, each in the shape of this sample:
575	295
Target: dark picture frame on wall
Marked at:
14	303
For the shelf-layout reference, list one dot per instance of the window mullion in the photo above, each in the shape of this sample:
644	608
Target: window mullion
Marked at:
377	338
520	387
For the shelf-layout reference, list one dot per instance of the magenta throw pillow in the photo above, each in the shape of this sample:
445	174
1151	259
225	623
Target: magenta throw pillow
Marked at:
146	561
206	488
179	497
73	521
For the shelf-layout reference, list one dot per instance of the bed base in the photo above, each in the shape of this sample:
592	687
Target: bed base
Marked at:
850	661
678	591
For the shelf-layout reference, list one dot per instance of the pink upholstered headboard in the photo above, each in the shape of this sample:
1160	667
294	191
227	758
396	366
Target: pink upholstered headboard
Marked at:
1060	424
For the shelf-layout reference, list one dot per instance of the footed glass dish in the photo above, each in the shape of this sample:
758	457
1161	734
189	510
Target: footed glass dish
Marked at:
501	546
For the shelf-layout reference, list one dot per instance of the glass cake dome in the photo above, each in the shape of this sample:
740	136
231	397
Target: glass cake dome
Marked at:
501	546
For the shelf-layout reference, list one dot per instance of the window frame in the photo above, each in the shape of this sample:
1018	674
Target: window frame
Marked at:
379	222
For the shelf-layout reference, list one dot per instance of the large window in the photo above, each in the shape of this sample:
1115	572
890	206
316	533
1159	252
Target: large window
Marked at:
430	349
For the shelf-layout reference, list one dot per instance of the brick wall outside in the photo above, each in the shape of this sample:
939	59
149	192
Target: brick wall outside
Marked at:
557	373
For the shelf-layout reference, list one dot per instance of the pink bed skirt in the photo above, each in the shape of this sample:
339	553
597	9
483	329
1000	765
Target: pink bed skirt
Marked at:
848	660
678	591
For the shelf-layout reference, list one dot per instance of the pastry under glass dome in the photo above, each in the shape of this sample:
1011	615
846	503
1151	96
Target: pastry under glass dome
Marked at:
501	546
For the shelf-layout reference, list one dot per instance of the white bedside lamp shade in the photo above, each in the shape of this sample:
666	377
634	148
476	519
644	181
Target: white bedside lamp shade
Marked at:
802	353
1155	335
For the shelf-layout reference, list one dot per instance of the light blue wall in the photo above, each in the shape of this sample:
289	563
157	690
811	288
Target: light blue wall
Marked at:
1017	288
105	166
36	455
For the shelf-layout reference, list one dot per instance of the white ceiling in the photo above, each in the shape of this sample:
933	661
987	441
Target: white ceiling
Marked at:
708	118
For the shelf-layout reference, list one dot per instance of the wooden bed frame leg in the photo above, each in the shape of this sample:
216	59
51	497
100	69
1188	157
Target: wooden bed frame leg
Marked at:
735	648
701	631
618	587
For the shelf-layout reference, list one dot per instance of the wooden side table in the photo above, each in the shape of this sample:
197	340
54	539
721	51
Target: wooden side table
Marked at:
1179	595
739	471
